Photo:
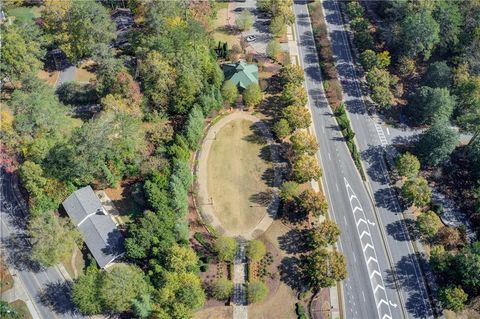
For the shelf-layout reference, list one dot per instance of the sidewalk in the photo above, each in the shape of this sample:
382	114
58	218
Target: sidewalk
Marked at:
336	292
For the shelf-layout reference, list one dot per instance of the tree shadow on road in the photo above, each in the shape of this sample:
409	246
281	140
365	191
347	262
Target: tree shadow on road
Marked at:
409	279
376	169
386	198
403	230
19	253
57	296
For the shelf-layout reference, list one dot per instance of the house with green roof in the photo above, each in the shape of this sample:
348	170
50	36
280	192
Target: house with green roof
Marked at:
241	73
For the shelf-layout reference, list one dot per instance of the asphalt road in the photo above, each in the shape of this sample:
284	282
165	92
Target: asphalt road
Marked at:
371	290
372	141
46	287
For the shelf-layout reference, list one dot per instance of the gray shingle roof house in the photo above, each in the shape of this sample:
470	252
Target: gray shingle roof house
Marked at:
99	231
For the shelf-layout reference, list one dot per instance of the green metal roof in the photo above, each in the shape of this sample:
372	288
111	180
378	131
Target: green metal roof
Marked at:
241	73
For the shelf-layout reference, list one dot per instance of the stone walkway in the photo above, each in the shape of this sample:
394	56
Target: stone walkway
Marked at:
204	201
240	309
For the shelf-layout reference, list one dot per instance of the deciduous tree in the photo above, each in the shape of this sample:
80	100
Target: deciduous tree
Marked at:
325	234
229	92
453	298
226	247
313	202
416	191
325	268
244	20
298	117
120	285
282	129
428	224
304	143
408	165
306	168
252	95
292	73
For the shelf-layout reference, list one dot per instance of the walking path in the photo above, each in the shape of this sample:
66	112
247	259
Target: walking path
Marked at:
204	202
332	296
240	309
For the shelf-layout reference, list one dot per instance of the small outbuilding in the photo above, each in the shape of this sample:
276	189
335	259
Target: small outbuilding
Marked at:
100	233
241	73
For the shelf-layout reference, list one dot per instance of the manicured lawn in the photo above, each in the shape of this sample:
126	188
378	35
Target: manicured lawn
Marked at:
222	31
23	14
235	175
22	308
6	279
83	73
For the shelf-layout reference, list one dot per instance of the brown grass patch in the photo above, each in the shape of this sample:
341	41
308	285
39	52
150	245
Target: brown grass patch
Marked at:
22	309
236	176
83	73
6	278
220	312
50	77
74	264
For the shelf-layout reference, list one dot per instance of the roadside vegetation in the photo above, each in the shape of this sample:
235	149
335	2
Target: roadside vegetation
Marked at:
420	62
151	118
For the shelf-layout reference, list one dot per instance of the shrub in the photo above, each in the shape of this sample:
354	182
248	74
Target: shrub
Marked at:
257	291
256	250
222	289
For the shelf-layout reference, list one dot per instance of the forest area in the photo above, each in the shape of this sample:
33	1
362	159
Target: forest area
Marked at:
153	97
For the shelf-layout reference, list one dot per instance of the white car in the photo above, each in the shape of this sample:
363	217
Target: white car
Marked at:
251	38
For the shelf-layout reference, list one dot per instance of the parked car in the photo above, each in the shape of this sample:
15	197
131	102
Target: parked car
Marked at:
251	38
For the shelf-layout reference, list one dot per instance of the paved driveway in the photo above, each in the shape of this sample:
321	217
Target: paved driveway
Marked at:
260	27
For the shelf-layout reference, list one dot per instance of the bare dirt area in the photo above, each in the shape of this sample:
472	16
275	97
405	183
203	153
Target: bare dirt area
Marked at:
221	312
236	172
124	202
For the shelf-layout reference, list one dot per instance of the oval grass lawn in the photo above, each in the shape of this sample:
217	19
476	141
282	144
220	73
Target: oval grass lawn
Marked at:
236	175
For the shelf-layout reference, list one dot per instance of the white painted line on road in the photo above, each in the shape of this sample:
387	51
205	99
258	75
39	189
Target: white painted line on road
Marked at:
371	223
329	157
361	220
363	295
375	291
370	256
345	219
369	246
336	185
388	131
375	260
357	208
365	233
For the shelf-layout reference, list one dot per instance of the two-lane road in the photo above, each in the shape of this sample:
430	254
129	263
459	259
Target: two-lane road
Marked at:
367	292
372	140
